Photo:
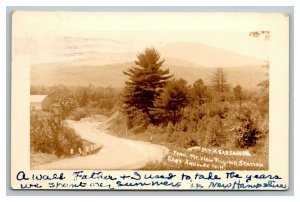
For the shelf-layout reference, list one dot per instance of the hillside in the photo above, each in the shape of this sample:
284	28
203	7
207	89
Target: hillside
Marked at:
185	54
187	60
112	75
208	56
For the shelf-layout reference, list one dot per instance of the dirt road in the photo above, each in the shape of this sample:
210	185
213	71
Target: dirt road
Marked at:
116	153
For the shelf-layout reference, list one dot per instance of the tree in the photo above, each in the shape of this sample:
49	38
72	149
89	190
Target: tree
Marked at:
65	98
263	99
199	92
238	93
83	99
174	97
219	81
145	82
246	129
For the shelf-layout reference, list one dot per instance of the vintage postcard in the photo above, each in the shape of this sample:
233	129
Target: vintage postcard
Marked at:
149	101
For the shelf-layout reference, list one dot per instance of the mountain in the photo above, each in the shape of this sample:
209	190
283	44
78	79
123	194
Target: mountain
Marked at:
105	58
190	61
208	56
112	75
186	53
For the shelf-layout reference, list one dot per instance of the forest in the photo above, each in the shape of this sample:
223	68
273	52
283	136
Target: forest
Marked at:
213	115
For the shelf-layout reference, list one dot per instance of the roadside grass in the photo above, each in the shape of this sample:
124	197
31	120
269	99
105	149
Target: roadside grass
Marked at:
40	158
180	158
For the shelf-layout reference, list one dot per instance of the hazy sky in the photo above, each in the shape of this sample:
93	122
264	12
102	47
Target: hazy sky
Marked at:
57	35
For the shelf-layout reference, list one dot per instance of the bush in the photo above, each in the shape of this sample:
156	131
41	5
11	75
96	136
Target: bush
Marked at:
182	125
151	128
170	128
68	140
190	142
212	131
47	136
137	129
192	115
78	114
219	109
246	129
41	136
138	118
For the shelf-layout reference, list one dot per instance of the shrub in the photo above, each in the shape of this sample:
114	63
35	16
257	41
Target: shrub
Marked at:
68	140
151	128
138	118
219	109
47	136
246	129
41	135
170	128
78	114
192	115
190	142
215	131
182	125
137	129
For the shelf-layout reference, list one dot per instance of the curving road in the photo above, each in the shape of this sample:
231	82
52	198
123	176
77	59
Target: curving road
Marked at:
116	153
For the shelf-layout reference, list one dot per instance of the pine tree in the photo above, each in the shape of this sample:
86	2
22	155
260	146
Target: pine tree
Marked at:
145	84
199	92
219	81
174	98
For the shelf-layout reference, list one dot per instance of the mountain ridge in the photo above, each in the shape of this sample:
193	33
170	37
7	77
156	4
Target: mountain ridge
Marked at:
190	61
208	56
194	53
112	75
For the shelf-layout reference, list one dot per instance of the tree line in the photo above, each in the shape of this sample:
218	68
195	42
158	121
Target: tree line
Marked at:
155	92
154	97
102	100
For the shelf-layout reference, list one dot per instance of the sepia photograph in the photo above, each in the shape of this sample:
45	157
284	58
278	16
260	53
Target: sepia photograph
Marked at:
145	99
160	91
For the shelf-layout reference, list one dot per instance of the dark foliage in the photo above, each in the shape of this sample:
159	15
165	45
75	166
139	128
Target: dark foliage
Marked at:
246	129
199	93
172	100
145	83
48	136
210	116
238	94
